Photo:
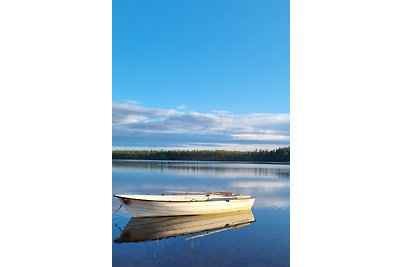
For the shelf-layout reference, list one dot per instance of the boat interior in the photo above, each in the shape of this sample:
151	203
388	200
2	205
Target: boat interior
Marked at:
187	196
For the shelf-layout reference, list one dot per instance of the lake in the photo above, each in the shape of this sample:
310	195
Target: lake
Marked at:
264	241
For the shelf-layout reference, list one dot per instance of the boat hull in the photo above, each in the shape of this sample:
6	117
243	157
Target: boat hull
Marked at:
146	208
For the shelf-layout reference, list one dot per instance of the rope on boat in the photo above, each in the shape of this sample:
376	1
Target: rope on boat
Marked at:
118	209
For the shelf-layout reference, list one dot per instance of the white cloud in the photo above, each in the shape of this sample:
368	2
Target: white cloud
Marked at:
265	137
137	125
181	107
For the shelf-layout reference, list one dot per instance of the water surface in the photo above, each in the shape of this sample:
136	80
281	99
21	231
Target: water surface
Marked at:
264	242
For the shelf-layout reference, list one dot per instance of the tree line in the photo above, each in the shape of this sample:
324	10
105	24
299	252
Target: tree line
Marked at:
259	155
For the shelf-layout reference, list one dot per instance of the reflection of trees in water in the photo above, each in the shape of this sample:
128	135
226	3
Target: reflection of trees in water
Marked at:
227	169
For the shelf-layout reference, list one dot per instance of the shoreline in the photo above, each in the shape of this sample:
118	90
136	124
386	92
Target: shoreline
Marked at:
206	161
276	156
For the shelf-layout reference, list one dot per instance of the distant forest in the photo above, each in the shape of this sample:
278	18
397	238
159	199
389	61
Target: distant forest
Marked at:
259	155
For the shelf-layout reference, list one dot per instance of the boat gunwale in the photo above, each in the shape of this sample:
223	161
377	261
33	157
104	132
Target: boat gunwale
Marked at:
228	199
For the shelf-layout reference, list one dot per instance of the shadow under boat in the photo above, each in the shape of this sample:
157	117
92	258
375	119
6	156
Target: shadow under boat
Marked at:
156	228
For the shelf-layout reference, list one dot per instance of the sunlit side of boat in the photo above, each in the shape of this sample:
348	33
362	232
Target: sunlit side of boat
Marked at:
184	204
155	228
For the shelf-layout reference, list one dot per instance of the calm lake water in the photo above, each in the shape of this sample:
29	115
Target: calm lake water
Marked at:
262	242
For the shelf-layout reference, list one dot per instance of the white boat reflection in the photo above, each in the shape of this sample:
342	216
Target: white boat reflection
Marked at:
156	228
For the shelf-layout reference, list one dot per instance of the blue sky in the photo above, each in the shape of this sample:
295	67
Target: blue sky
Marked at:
187	73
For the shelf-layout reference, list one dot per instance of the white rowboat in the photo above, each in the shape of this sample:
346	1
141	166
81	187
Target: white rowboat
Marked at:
187	203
